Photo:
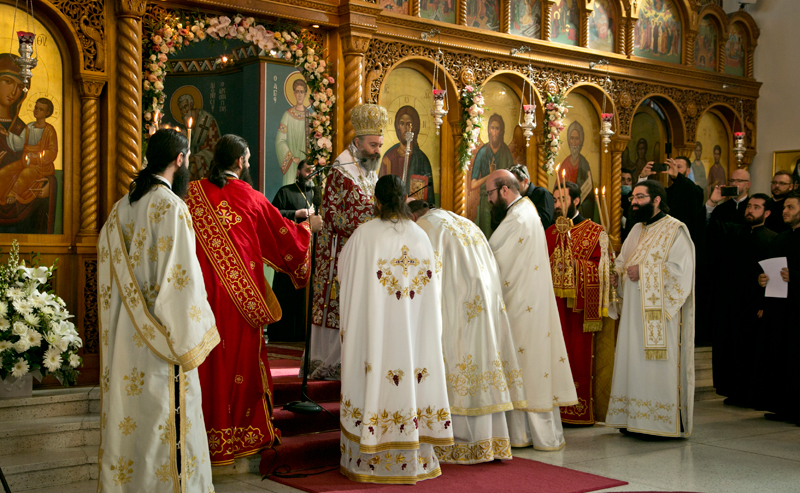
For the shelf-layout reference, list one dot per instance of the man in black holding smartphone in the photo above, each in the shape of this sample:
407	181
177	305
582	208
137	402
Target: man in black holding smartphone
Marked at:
733	210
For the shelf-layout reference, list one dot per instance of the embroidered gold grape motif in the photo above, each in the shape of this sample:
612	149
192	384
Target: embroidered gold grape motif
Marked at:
395	376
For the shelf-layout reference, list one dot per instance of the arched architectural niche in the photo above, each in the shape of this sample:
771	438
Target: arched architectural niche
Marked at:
752	33
732	120
675	119
718	14
69	43
719	19
441	147
687	19
600	162
619	10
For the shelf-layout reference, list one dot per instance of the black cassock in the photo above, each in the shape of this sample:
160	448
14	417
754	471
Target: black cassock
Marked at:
733	318
290	327
778	383
775	219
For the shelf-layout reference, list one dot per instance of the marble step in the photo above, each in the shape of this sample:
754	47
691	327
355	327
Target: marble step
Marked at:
53	468
705	393
702	354
49	468
702	371
50	403
51	434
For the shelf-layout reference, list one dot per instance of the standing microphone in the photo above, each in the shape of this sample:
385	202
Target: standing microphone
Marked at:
321	168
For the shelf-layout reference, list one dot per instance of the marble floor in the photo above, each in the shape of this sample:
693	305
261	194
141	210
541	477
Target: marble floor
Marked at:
732	450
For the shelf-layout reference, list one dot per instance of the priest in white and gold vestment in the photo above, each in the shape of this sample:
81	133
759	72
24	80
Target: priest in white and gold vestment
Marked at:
156	328
484	377
520	248
652	390
394	406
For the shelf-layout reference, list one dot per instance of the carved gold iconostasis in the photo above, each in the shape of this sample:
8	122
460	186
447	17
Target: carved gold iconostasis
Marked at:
681	76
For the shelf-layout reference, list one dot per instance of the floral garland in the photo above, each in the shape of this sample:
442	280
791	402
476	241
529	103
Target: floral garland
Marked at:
555	110
173	33
472	108
35	335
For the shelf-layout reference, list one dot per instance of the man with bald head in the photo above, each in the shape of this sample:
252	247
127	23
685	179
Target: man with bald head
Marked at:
732	210
520	249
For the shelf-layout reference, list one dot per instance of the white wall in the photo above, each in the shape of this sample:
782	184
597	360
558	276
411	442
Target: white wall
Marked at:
777	66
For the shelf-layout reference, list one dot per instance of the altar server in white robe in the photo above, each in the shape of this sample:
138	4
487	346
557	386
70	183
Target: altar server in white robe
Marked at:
394	406
520	248
156	328
484	377
652	390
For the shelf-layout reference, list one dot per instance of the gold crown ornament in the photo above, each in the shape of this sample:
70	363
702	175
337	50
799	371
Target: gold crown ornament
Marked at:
369	119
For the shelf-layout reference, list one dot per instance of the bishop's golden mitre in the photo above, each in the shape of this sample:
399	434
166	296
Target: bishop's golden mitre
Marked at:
369	119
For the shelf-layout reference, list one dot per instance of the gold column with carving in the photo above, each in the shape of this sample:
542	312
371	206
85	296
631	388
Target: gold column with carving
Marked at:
721	58
90	90
129	91
461	14
618	145
547	23
691	36
541	174
459	178
354	45
505	16
750	60
415	8
583	39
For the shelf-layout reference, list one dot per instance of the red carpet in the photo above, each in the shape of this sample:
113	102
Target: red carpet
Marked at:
514	475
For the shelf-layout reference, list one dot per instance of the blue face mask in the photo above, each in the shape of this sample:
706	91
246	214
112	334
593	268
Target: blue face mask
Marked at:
626	189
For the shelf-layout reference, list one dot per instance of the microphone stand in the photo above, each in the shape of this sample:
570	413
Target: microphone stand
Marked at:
306	405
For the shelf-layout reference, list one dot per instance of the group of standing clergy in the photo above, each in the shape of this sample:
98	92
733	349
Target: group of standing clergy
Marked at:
450	347
181	282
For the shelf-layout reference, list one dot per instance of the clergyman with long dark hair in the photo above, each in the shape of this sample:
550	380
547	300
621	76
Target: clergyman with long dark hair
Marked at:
157	328
238	231
391	326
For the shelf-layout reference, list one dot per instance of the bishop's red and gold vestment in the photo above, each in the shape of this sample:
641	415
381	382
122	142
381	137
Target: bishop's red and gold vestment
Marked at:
346	204
579	307
238	231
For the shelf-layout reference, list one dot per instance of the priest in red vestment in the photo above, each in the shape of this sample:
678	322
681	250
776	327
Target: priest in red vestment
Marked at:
347	203
238	231
576	248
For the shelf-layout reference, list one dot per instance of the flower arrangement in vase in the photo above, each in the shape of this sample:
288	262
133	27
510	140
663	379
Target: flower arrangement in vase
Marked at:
36	337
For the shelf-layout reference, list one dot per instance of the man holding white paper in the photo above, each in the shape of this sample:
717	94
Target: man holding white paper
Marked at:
780	373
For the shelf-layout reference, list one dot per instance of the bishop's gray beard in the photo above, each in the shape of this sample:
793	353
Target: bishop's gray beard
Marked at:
371	162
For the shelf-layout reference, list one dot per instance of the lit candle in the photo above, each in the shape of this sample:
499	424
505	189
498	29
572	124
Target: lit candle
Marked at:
189	130
597	199
604	209
156	118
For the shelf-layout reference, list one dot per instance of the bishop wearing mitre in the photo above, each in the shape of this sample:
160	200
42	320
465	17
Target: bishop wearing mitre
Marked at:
346	203
521	251
394	408
484	377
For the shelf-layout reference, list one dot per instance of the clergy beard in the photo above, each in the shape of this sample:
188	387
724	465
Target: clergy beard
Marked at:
499	210
245	176
752	220
305	183
570	211
575	151
180	181
643	213
369	162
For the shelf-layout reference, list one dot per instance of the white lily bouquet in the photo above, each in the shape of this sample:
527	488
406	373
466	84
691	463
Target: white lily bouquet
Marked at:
35	335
